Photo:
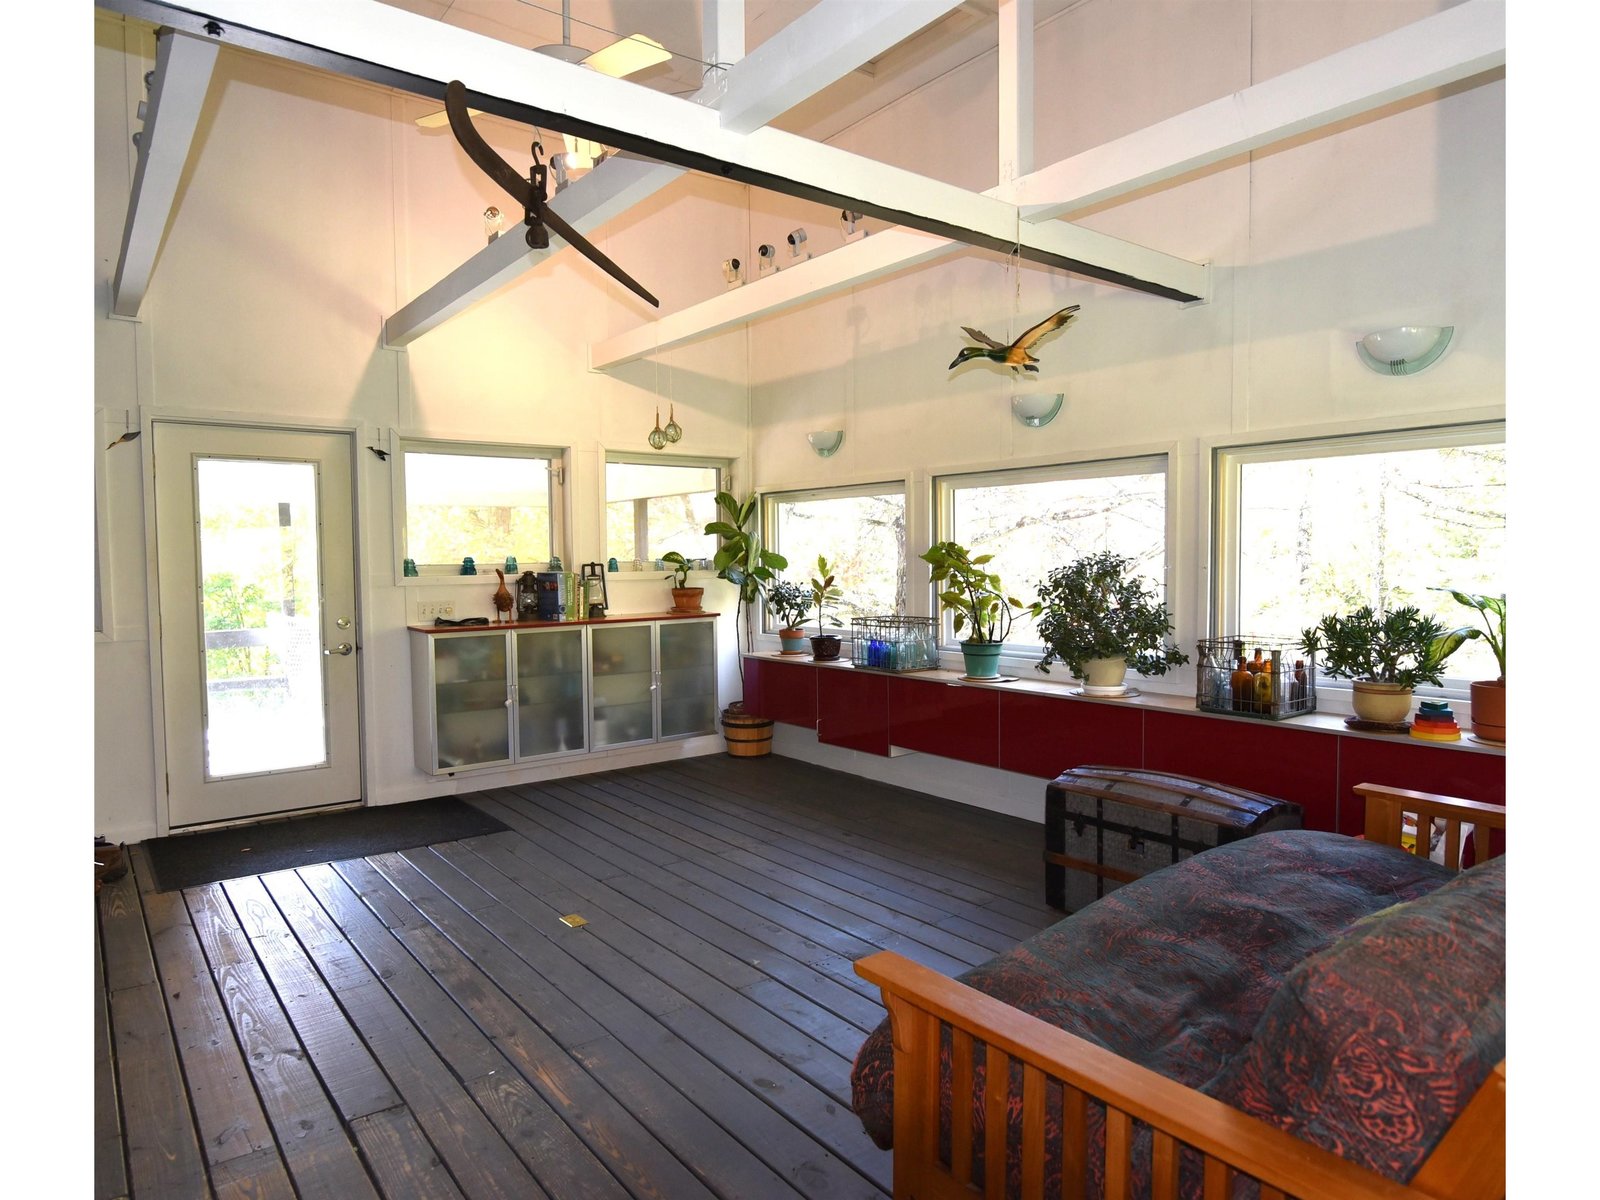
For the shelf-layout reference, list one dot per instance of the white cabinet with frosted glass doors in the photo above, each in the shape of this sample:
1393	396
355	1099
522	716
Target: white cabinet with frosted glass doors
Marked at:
492	696
652	681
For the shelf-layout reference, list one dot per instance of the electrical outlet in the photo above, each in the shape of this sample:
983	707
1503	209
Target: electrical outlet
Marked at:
427	610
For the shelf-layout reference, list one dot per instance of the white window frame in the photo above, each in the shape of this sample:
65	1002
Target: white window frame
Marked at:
722	466
434	574
803	571
1228	459
944	487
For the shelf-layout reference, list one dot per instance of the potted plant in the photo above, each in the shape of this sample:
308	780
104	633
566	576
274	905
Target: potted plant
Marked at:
977	599
789	602
744	562
684	598
1385	656
1488	695
825	646
1100	618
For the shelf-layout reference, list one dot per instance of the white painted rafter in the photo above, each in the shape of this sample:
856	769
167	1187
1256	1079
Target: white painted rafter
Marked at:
178	87
1015	87
1445	48
817	48
612	188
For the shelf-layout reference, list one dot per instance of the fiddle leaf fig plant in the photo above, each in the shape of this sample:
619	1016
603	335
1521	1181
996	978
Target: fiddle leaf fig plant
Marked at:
1492	611
1099	607
680	568
974	595
742	560
1401	646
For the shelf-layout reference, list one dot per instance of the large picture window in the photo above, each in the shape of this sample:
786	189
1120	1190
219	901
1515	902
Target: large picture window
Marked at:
653	507
1034	520
460	500
1322	526
862	533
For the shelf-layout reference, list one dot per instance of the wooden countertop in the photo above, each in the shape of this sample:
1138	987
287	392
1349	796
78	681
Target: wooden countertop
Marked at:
618	619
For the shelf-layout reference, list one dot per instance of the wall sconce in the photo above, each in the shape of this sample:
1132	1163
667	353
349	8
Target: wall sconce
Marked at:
1034	409
797	244
733	272
849	223
1406	349
766	258
826	441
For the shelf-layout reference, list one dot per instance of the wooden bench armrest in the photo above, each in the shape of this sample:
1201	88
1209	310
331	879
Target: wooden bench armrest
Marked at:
1385	815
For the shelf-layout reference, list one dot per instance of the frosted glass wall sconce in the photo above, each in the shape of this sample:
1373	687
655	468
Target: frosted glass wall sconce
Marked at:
1406	349
1034	409
826	441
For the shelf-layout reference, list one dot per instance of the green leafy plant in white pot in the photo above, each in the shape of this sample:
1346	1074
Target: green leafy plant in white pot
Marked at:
1100	618
1384	655
789	603
977	601
1488	695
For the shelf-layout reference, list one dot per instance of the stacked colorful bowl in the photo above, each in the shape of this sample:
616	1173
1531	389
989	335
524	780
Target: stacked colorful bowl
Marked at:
1435	722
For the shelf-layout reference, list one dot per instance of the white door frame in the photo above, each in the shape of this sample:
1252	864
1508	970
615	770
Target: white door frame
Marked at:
358	432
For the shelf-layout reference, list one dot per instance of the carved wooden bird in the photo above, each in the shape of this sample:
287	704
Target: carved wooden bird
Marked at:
502	597
1015	355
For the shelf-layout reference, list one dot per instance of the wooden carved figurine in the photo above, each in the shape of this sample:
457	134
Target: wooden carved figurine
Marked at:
1018	354
502	599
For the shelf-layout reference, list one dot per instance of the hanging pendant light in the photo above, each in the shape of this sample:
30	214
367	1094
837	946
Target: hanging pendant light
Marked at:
673	431
658	435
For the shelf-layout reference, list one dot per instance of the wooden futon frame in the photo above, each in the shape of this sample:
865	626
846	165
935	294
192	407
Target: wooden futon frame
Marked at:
1468	1164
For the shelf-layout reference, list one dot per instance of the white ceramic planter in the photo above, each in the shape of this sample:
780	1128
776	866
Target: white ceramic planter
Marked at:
1105	672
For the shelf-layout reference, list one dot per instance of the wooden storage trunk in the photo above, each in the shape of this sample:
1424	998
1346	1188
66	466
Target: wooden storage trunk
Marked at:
1107	826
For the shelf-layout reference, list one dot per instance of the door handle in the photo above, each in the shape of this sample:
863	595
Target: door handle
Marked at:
341	648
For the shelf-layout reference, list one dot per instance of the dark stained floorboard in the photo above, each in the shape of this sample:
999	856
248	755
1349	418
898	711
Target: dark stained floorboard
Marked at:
421	1025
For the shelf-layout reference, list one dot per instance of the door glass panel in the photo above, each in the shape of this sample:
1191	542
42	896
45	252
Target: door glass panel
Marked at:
688	679
624	710
469	675
260	590
550	715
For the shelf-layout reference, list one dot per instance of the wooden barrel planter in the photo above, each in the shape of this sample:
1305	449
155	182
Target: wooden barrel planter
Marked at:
748	735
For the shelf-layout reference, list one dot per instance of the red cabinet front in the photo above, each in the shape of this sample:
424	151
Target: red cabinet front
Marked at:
853	709
1044	736
1405	762
782	691
945	719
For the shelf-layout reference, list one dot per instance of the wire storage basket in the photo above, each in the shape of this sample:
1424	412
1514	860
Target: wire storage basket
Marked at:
1270	678
895	643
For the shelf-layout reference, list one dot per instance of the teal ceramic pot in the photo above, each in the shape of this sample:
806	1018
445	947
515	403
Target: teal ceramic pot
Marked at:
982	659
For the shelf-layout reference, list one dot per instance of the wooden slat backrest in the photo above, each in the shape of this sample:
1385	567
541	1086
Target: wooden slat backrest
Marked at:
1387	807
918	998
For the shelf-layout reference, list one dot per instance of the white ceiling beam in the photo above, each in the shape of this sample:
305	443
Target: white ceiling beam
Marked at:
815	49
1450	46
1015	90
368	39
612	188
177	91
881	254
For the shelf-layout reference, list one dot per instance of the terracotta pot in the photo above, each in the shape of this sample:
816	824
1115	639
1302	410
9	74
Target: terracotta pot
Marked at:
687	599
1489	709
825	648
793	641
1105	672
982	659
1385	703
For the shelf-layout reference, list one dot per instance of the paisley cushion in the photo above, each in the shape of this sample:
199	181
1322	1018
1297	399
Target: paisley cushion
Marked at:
1372	1047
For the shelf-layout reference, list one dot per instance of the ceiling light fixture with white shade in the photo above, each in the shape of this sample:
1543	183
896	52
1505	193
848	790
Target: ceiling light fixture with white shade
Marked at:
1405	349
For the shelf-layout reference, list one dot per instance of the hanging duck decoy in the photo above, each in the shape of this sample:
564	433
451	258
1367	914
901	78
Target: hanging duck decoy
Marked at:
1015	355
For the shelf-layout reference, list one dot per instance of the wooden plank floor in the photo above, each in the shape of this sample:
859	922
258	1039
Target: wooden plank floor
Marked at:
421	1024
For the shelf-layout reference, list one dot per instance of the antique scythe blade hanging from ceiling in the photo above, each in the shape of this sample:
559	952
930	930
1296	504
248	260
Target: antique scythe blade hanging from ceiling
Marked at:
530	192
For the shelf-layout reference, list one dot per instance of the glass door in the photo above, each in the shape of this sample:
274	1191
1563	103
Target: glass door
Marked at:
688	678
550	702
624	687
472	699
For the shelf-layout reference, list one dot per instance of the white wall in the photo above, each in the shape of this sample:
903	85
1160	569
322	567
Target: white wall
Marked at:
314	207
1393	219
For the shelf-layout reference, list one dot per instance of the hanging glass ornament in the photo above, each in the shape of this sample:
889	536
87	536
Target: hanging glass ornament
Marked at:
674	431
658	435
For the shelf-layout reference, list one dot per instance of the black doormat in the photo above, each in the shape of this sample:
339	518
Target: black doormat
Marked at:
190	859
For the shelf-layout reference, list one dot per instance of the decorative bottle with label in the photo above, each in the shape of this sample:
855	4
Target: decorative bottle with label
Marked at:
1243	687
